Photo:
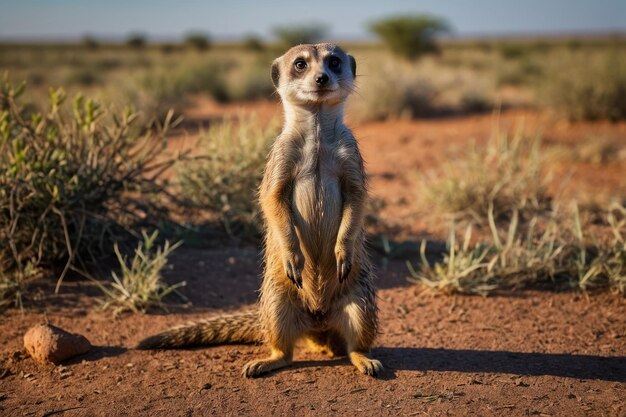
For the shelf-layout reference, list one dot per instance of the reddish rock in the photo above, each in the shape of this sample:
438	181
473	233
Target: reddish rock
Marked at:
47	343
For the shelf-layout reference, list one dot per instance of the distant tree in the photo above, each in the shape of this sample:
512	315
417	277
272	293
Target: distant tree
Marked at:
168	48
90	42
297	34
136	40
198	40
410	36
253	43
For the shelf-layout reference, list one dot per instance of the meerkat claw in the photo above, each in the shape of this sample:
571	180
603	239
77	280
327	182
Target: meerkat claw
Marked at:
343	270
298	279
295	277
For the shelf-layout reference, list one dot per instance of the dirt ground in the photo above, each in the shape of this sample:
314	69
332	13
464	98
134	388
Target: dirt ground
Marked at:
525	353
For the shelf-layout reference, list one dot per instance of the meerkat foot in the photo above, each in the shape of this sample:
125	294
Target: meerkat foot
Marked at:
367	366
257	368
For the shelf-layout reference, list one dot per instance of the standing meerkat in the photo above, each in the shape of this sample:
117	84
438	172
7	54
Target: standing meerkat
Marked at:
318	279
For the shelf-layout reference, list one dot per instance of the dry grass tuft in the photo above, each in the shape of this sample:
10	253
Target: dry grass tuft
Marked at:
380	97
587	87
556	252
12	287
503	187
597	150
140	285
224	179
155	92
505	177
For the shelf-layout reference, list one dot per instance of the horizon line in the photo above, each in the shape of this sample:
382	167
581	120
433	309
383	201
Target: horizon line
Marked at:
165	38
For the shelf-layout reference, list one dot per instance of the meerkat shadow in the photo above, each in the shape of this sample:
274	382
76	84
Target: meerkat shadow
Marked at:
605	368
385	375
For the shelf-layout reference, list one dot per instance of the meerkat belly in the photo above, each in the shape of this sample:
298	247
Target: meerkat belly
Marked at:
317	208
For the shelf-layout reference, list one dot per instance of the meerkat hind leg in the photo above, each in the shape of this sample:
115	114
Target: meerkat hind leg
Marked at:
282	331
354	327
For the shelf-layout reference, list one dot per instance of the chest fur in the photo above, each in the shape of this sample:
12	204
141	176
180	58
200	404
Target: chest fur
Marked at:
316	199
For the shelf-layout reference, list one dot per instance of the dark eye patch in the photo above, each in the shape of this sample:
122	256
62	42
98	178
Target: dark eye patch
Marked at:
334	63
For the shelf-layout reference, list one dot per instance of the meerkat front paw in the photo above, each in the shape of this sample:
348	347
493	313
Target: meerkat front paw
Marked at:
293	263
372	367
344	263
365	365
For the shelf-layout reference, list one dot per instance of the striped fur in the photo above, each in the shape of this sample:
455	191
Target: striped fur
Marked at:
235	328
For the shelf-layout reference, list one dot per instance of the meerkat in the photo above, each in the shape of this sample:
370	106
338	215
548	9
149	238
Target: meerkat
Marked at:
318	280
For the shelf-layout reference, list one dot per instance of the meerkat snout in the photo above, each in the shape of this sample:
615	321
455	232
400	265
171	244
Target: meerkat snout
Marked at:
322	79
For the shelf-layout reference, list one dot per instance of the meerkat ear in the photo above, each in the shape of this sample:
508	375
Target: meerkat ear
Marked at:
352	65
275	73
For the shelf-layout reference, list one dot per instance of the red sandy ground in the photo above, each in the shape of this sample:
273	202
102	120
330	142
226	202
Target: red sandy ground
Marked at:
525	353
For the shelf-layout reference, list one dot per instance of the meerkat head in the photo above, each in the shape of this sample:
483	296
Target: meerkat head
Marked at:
314	74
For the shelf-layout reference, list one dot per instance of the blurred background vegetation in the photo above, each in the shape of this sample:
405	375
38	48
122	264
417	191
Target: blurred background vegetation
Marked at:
580	78
81	179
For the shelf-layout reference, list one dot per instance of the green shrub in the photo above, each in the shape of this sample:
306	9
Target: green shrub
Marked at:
136	40
253	43
168	48
513	50
587	87
141	285
89	42
107	64
83	77
224	180
67	181
198	40
520	72
207	78
475	101
156	92
254	83
410	36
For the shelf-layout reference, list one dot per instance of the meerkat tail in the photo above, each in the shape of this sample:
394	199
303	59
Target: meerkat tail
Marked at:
235	328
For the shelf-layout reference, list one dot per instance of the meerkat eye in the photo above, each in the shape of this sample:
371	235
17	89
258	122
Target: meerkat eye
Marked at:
300	65
334	63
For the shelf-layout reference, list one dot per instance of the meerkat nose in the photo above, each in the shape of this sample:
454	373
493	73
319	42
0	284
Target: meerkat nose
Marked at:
321	79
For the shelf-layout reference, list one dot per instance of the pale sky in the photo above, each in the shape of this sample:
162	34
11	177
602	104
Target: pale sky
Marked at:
160	19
